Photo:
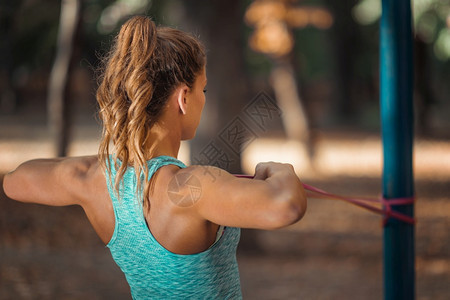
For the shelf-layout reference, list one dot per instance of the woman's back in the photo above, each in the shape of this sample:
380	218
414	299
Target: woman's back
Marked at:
151	270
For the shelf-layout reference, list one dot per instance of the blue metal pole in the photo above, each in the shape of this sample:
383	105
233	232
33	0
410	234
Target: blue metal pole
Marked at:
396	85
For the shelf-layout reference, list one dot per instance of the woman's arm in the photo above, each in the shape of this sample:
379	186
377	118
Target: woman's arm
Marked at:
273	199
57	182
65	181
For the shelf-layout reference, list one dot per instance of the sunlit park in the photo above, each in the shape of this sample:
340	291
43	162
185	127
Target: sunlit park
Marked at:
313	83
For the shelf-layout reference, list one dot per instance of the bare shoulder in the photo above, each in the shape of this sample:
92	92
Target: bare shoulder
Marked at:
210	180
56	181
206	186
209	175
81	165
82	177
86	176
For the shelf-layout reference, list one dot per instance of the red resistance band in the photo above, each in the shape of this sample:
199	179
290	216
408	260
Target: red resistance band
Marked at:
386	211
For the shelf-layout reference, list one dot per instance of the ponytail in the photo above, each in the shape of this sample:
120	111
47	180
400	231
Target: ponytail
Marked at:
145	65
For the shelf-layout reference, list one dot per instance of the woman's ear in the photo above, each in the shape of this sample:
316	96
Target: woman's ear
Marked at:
181	98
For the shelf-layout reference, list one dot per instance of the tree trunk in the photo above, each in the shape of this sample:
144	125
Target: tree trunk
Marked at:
57	100
220	25
346	38
8	99
293	114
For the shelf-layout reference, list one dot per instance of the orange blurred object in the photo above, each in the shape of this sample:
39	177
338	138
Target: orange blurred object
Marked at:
273	21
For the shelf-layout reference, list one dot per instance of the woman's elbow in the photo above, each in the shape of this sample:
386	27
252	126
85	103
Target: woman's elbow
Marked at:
8	186
289	210
14	184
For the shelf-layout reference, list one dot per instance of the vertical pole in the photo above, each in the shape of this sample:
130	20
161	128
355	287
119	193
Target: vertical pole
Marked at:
396	84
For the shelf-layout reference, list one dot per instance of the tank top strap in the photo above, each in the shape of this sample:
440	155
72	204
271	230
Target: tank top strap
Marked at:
153	165
157	162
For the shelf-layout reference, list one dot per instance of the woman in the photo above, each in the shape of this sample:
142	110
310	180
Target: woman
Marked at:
173	230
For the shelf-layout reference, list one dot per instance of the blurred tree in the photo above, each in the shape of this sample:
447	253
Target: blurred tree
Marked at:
7	93
57	101
29	34
273	36
220	25
26	29
346	40
274	22
30	40
431	21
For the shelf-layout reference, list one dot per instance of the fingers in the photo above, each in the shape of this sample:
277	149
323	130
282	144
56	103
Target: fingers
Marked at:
263	170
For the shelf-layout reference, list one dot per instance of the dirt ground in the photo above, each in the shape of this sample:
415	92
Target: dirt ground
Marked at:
335	252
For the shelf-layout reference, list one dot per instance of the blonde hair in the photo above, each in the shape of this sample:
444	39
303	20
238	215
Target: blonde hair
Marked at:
145	65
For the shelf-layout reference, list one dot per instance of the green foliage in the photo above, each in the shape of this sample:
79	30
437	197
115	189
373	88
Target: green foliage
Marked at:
431	22
29	29
34	31
313	53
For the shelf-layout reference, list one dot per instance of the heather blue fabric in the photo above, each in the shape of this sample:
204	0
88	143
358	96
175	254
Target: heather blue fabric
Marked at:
152	271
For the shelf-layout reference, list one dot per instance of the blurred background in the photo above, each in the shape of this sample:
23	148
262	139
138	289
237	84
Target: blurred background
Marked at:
290	81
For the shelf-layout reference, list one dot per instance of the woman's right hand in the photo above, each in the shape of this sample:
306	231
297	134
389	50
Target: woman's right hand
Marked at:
263	170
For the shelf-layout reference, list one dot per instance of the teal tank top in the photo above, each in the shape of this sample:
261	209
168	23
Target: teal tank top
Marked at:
152	271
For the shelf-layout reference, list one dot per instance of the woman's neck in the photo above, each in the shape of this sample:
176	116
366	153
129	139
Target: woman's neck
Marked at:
162	141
